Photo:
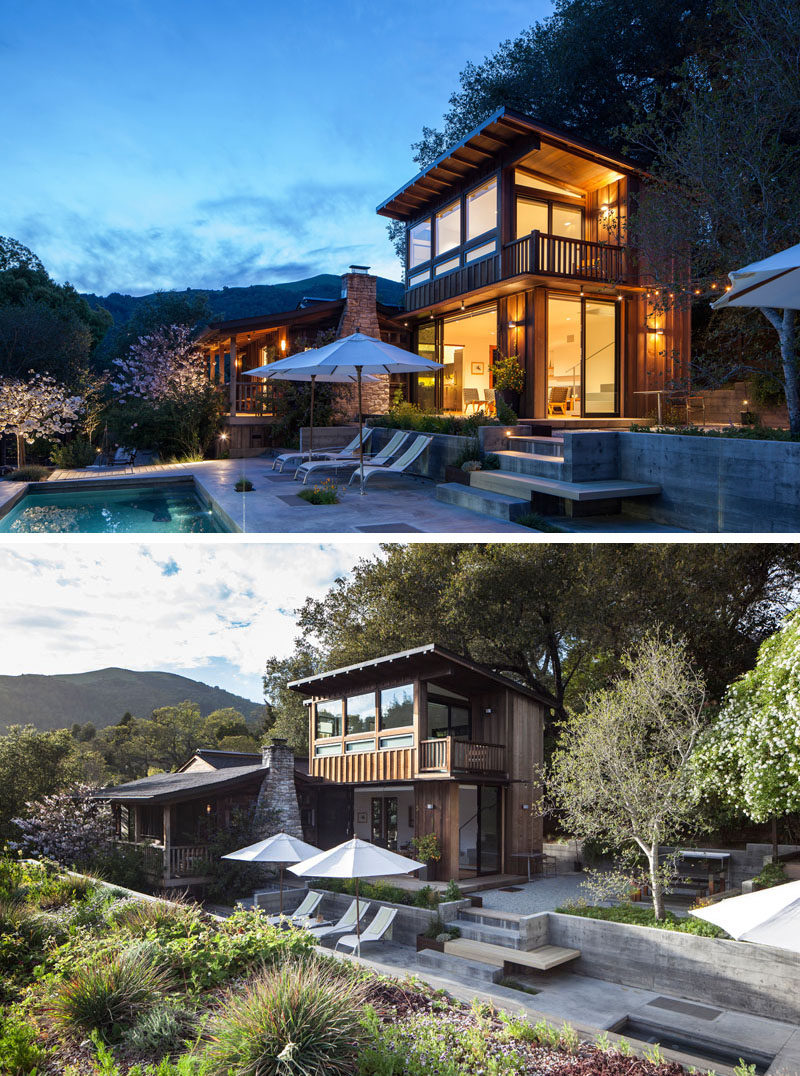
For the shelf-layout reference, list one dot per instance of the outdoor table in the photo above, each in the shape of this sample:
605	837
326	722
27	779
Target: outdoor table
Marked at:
537	857
658	393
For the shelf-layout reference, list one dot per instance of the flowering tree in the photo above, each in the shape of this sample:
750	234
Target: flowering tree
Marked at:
38	407
750	757
166	372
623	774
68	826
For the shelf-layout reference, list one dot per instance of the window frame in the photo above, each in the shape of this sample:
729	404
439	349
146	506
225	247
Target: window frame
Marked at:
528	194
441	700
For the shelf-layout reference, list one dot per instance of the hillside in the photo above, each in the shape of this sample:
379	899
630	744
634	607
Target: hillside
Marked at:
102	697
230	303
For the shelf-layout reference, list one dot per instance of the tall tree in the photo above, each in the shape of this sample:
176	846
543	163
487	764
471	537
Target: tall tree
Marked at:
286	716
33	764
556	616
623	771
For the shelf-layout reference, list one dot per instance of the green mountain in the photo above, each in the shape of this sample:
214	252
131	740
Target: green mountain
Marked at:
230	303
102	697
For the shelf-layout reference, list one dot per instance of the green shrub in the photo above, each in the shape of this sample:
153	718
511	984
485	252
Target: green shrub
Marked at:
327	493
244	485
537	523
20	1053
771	874
77	453
506	416
745	433
31	473
426	897
407	416
452	891
109	996
385	891
159	1031
301	1018
508	373
643	916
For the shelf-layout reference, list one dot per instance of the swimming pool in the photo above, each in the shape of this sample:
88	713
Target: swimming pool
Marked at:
114	507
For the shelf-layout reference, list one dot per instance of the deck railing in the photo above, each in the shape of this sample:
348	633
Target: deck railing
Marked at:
254	397
188	861
449	755
537	254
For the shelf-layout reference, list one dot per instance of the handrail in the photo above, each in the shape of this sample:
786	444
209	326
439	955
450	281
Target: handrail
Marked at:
558	255
447	754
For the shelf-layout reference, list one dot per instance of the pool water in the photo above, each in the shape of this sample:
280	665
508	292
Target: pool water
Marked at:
114	508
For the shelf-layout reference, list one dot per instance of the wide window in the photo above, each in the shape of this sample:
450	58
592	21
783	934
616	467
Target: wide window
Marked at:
482	210
360	714
532	217
329	718
447	719
568	221
419	244
397	707
448	228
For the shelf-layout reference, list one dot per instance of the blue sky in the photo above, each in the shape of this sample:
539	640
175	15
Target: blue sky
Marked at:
168	144
210	612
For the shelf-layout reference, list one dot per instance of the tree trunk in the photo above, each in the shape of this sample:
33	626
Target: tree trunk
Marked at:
774	840
655	882
20	451
784	326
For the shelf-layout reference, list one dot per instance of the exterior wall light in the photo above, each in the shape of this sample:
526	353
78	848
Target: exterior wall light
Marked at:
283	343
429	806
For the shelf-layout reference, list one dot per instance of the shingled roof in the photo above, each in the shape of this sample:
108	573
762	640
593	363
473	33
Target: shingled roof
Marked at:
164	787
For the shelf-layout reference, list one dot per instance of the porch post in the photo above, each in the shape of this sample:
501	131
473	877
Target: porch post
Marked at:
234	378
167	840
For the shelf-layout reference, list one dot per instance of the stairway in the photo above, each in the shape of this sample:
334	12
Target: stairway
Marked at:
567	473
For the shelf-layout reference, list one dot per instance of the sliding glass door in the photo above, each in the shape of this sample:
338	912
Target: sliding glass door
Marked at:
600	386
582	357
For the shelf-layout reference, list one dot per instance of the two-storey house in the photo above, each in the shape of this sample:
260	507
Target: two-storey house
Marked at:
517	241
426	741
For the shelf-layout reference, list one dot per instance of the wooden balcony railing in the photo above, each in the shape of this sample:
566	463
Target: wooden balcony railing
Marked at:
151	856
448	755
395	764
536	254
254	397
188	861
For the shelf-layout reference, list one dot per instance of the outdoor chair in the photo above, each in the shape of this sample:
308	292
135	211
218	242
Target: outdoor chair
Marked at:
308	905
471	399
491	401
347	452
346	924
558	402
398	466
376	931
384	456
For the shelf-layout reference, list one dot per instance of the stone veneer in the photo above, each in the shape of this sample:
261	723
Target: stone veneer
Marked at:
360	314
277	793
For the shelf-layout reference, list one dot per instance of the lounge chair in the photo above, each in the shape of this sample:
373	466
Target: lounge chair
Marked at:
376	931
307	906
384	456
349	450
397	466
345	924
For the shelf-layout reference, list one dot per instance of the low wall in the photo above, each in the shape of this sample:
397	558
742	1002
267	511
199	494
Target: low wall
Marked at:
715	483
751	978
409	921
444	450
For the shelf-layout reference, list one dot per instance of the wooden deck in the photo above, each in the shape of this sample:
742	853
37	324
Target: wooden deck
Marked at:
142	471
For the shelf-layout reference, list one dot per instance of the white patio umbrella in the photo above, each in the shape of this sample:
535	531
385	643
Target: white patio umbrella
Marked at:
356	355
355	859
775	282
769	916
272	374
282	849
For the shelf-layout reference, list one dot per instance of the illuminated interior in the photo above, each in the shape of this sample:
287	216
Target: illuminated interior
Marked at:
563	356
468	347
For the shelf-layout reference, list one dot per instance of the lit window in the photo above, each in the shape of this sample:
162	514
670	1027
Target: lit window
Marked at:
329	719
446	267
419	244
448	228
567	222
481	251
397	707
418	278
482	210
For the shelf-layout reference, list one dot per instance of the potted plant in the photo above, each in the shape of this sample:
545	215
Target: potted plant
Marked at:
509	380
437	934
428	849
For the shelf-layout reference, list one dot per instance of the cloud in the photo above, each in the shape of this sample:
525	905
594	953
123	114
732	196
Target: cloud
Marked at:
178	607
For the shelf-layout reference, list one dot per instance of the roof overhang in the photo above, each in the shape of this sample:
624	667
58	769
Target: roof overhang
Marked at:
499	135
425	661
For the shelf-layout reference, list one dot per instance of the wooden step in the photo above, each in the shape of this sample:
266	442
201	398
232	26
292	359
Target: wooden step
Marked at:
542	959
518	485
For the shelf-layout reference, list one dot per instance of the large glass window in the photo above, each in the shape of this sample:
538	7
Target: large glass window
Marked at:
447	719
397	707
482	209
532	217
448	228
600	361
419	243
360	711
563	356
568	221
329	719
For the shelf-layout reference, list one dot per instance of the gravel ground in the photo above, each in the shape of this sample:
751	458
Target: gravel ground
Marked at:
543	895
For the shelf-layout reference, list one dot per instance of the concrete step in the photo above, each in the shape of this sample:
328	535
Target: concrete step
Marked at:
490	916
517	485
532	463
498	505
457	968
484	932
546	446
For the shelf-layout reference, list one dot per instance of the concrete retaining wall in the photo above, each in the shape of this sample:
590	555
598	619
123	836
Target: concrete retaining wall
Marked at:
734	975
443	451
409	921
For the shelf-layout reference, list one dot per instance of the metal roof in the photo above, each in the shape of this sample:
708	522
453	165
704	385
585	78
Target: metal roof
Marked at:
476	150
430	650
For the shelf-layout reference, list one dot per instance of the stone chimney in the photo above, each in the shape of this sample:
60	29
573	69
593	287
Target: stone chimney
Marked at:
360	314
278	796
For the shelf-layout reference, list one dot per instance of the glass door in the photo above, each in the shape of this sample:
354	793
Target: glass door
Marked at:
480	827
384	822
600	358
563	357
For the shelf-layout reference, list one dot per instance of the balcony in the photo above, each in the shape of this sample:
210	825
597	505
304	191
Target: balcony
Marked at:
450	757
254	397
537	254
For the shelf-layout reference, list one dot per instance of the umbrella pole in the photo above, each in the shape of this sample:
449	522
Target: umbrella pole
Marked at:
358	921
311	429
280	886
360	446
